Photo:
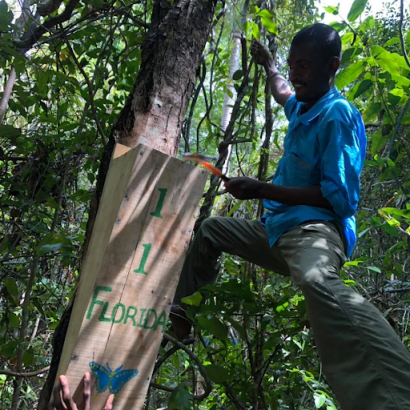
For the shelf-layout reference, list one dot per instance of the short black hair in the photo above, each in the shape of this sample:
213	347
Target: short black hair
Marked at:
322	37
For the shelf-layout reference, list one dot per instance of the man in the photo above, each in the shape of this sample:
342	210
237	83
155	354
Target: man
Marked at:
309	228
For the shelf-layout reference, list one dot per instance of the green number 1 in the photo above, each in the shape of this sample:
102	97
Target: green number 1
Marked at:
141	269
157	212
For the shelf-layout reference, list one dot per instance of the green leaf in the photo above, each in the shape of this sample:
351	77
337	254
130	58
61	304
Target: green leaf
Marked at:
52	243
376	142
6	17
217	373
213	326
180	399
338	26
319	400
8	131
356	10
14	320
350	54
374	269
395	96
394	40
237	75
11	287
9	349
234	209
349	74
372	111
265	13
269	25
332	10
255	31
193	300
28	357
363	87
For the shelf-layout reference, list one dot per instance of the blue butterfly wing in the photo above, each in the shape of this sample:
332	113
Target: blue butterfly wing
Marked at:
102	376
120	378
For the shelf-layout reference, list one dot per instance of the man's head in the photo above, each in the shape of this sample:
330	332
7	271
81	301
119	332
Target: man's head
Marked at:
314	58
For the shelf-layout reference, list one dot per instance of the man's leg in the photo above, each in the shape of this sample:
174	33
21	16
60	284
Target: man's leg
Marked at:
240	237
364	361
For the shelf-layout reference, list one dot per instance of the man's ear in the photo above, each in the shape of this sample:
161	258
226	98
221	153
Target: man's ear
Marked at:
334	64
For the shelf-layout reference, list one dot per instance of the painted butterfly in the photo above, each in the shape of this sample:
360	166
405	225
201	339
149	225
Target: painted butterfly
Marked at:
113	380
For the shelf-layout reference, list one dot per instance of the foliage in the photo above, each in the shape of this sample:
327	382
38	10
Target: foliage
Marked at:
254	336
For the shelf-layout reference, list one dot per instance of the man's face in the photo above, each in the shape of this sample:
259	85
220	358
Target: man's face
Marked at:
309	73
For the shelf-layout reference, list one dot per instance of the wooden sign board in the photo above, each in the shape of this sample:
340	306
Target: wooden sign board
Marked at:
130	272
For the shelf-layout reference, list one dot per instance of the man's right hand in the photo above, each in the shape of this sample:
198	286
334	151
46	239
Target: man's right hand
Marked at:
280	88
261	54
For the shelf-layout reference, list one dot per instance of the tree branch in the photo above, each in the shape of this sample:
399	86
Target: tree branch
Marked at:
7	93
403	47
201	368
89	88
28	374
34	34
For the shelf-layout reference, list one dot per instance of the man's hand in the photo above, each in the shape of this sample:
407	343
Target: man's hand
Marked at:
261	54
243	188
280	87
62	399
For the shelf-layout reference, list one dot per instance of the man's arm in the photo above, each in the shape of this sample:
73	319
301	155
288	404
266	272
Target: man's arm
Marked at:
248	188
281	90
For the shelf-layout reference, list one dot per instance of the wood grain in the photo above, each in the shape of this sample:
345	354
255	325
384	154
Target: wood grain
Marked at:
129	276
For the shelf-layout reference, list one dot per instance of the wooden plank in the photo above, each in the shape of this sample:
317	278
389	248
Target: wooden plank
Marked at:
129	281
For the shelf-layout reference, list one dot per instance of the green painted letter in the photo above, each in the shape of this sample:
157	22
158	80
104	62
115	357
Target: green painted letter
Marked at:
147	249
147	318
129	316
157	212
114	313
142	311
102	317
95	301
162	321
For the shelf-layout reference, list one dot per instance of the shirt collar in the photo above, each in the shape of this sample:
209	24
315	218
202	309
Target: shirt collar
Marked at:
318	107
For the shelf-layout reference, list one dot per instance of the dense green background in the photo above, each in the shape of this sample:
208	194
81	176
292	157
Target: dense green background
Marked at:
254	336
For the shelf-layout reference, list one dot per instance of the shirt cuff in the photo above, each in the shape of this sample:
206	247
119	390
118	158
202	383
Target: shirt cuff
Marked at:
341	207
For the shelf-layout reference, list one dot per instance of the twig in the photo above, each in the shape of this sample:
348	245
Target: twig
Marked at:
202	370
22	335
228	389
28	374
169	353
397	126
7	92
31	37
403	47
33	335
89	88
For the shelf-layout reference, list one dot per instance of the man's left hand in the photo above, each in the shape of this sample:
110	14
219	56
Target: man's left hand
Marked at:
243	188
64	401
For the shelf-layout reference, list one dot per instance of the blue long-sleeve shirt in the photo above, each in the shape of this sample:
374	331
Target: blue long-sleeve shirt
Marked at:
325	146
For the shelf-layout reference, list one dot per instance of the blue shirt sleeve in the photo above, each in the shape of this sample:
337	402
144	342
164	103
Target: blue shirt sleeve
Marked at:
290	106
341	165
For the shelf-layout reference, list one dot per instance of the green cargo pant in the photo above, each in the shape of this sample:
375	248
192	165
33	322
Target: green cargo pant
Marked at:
364	361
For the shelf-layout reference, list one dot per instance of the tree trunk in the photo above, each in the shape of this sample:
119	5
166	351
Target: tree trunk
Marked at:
156	107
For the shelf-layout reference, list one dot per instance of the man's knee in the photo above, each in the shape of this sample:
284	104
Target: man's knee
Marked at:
210	225
311	269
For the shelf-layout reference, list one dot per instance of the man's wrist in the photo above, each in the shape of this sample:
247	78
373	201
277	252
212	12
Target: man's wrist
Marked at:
270	67
261	190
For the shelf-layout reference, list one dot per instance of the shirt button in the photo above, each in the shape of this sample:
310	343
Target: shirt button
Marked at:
294	133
